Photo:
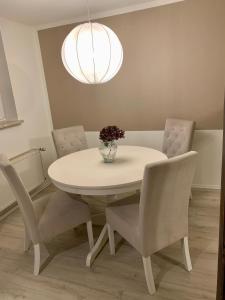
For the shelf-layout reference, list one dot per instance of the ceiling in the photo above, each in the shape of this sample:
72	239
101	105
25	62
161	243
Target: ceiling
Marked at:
43	12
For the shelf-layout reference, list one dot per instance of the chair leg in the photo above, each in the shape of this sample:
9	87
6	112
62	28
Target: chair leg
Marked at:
148	274
90	234
111	240
186	253
37	259
40	256
27	240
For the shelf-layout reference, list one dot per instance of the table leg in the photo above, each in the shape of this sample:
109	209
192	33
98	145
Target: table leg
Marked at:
99	245
103	237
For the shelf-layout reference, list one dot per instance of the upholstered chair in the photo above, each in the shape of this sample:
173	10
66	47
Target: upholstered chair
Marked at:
69	140
46	217
178	136
161	217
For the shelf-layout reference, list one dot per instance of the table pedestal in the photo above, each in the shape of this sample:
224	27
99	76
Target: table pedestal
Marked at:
103	237
99	245
98	204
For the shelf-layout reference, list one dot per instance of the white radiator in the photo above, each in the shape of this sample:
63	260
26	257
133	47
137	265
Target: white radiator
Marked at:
30	168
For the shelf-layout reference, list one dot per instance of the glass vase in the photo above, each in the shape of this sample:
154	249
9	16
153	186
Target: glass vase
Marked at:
108	151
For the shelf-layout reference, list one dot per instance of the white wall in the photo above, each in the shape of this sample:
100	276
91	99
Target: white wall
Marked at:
208	143
26	74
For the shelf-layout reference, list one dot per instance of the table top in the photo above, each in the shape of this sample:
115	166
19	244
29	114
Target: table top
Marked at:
84	172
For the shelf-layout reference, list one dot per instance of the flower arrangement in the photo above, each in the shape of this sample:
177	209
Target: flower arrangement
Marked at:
108	135
111	133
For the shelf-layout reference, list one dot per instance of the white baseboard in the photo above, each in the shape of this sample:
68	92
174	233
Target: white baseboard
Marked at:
9	212
206	187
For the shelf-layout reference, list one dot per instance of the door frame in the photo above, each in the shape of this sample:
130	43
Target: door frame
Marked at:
221	257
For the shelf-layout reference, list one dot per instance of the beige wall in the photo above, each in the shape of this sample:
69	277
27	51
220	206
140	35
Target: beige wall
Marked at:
174	66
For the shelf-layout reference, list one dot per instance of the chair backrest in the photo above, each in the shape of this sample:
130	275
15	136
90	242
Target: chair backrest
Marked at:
178	136
23	198
164	202
69	140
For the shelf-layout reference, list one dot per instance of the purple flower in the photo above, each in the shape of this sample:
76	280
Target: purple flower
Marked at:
111	133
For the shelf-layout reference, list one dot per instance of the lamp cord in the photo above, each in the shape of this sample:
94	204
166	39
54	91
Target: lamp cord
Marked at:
92	38
88	11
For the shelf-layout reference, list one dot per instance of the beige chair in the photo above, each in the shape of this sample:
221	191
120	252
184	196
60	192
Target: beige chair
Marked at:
178	136
161	217
46	217
69	140
73	139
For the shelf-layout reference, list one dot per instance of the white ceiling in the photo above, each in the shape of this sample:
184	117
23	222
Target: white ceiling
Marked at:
43	12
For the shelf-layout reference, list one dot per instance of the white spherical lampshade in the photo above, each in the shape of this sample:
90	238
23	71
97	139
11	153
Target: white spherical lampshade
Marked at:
92	53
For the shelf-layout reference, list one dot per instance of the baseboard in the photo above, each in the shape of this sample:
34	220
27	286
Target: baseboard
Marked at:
206	187
37	190
8	210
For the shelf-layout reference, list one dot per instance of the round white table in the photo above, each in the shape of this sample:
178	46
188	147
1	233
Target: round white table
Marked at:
85	173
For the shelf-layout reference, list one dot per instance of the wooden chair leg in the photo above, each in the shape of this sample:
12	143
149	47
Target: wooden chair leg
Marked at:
111	240
186	253
40	256
37	259
90	234
148	274
27	240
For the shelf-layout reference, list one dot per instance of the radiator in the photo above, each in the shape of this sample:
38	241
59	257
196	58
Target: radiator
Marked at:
29	165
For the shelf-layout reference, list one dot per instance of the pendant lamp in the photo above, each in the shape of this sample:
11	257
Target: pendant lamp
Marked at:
92	53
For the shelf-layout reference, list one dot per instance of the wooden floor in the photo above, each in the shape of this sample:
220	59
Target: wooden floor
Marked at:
120	277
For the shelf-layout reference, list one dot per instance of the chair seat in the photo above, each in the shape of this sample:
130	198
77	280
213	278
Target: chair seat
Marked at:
123	217
58	212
